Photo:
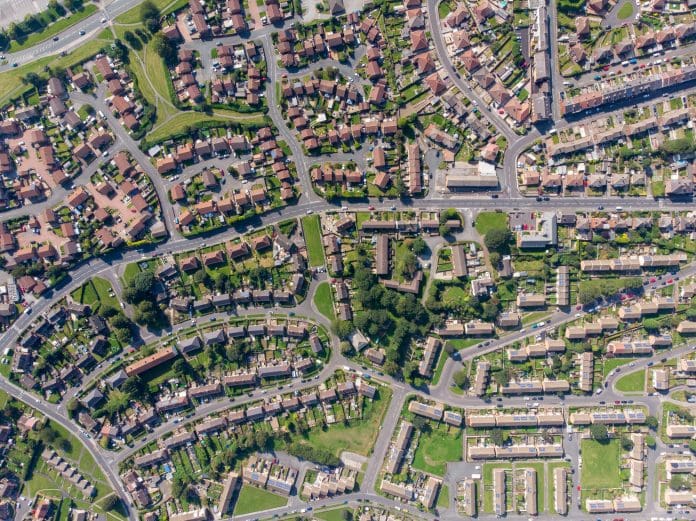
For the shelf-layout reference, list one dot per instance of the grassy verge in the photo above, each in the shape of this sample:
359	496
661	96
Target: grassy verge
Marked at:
631	382
323	300
486	221
53	29
252	499
312	235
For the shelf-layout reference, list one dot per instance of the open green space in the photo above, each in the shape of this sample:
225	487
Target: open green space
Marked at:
323	300
183	120
335	514
132	16
612	363
51	30
357	435
631	382
95	293
436	447
486	221
312	235
252	499
625	11
601	465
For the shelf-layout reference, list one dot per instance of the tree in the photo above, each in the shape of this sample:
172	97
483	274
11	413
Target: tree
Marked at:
164	48
651	422
147	313
139	287
461	379
651	324
677	482
421	424
72	407
692	446
342	328
497	240
626	443
450	349
599	433
47	434
498	437
180	368
418	245
178	486
149	15
346	348
110	502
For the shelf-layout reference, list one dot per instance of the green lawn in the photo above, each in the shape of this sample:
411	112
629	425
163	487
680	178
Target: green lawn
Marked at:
53	29
165	6
436	448
601	465
95	293
357	435
486	221
631	382
335	514
177	124
252	499
612	363
625	11
312	235
323	300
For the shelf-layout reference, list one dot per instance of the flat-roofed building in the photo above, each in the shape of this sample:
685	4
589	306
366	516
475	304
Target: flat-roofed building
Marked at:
599	506
382	255
673	497
586	362
432	346
560	498
151	361
434	412
531	300
398	450
227	491
499	504
199	514
660	379
681	431
432	486
481	421
530	491
467	493
481	378
627	504
402	491
527	387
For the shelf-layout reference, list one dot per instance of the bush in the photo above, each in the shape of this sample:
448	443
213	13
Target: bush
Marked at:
313	454
599	433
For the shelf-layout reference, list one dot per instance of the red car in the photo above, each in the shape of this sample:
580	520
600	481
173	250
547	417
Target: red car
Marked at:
605	68
653	280
371	208
669	281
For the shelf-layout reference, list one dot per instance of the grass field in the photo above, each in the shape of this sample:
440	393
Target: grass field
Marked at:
436	448
486	221
625	11
323	300
165	6
612	363
600	465
631	382
358	435
53	29
335	514
178	123
252	499
312	235
95	293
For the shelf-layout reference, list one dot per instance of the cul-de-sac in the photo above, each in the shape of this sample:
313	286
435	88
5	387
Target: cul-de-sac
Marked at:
347	260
